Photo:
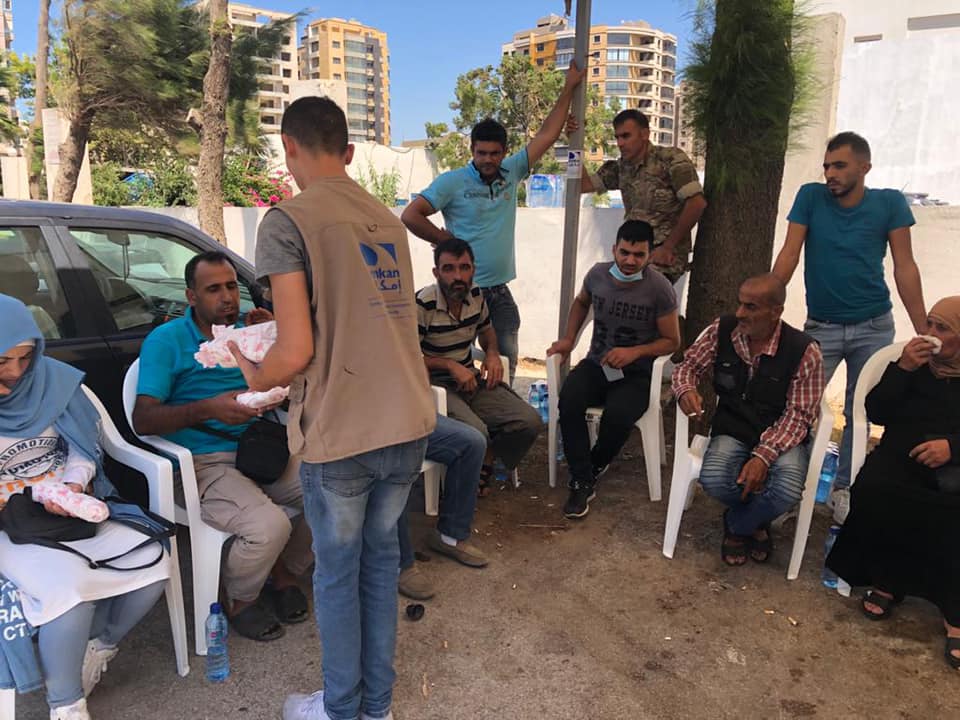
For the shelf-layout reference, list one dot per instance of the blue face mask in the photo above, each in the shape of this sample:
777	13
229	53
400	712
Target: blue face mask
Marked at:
618	274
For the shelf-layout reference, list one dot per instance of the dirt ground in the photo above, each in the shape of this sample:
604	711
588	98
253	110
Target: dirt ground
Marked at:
587	619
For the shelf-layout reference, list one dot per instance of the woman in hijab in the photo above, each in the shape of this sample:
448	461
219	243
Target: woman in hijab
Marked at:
49	431
902	535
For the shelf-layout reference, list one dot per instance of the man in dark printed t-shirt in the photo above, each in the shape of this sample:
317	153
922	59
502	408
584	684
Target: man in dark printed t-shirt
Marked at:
634	321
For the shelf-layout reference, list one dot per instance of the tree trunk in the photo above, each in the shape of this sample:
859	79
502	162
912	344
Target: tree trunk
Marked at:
40	98
71	157
213	112
744	169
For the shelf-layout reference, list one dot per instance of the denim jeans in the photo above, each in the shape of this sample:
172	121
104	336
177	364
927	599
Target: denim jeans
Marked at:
722	462
352	506
460	448
63	640
505	317
853	344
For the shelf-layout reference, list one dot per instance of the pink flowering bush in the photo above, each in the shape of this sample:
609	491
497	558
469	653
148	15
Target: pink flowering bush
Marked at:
246	183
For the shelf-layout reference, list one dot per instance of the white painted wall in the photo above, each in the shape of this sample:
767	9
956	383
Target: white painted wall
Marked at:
886	17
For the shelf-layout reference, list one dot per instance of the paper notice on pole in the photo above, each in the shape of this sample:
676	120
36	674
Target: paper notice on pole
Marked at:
574	163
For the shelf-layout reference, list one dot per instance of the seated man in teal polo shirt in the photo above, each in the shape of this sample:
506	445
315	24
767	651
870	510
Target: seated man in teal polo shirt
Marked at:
174	395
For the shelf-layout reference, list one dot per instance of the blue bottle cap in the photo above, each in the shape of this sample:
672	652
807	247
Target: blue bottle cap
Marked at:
216	608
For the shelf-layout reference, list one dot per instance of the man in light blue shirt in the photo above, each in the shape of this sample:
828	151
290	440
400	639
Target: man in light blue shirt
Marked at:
844	229
479	205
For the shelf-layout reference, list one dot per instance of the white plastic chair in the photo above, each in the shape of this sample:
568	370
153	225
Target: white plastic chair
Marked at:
433	472
869	376
686	470
650	425
8	704
206	542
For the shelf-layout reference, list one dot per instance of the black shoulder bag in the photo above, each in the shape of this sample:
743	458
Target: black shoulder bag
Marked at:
262	450
27	522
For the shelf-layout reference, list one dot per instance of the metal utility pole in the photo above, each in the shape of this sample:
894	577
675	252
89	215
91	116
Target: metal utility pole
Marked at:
571	220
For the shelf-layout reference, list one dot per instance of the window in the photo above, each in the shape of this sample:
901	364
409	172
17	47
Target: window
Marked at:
356	94
357	78
285	56
596	71
564	59
27	273
565	43
141	274
354	46
335	45
356	62
670	47
618	87
666	93
540	61
596	38
356	108
336	76
618	56
669	62
539	47
286	72
337	61
286	39
618	71
618	38
666	123
357	124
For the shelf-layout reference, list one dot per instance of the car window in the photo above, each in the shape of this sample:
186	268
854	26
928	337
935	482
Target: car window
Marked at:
141	274
27	273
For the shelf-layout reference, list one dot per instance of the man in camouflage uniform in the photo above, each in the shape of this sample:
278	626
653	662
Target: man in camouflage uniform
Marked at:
659	185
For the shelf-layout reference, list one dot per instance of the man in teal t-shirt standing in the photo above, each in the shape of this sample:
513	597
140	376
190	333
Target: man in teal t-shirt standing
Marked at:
845	228
479	205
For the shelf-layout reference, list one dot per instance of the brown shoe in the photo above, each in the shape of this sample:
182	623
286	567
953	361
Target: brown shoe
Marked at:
414	584
463	552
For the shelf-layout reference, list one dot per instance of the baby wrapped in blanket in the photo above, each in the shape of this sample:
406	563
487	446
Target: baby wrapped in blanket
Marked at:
252	341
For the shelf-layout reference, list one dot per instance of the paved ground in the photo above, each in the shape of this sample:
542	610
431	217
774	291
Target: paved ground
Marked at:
587	619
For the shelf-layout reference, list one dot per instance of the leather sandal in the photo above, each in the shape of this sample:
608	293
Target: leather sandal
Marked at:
290	604
257	623
886	605
733	549
953	644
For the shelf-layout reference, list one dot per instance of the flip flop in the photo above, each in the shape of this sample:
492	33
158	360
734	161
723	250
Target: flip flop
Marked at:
485	487
953	643
733	546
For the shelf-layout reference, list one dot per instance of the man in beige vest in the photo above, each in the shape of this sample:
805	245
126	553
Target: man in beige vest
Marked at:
338	266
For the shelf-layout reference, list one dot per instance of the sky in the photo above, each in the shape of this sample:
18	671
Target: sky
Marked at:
431	42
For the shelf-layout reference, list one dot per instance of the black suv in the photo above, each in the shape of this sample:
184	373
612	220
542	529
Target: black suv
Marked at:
98	279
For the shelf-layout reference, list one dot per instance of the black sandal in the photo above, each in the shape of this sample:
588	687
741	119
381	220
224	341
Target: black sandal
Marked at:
290	604
756	547
953	643
485	485
886	605
257	623
733	549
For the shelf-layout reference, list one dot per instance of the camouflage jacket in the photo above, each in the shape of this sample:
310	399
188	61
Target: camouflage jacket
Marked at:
654	190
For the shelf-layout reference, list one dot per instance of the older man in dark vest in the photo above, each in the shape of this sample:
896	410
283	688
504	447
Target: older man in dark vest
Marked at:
768	377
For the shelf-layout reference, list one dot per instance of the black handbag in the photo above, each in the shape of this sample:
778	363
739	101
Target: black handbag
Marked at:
27	522
262	450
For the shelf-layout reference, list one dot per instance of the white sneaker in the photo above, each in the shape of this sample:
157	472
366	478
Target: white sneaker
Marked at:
77	711
95	664
300	706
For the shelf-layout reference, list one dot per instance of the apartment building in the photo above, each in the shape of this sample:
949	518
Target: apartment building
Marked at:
632	62
274	82
348	51
6	42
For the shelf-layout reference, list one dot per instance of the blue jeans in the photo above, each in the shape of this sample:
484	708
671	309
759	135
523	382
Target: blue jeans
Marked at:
461	448
722	462
854	344
63	640
352	506
505	317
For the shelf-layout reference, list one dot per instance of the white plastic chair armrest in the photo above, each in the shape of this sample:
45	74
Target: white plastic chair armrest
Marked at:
440	399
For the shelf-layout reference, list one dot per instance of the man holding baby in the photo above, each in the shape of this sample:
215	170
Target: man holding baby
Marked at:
197	407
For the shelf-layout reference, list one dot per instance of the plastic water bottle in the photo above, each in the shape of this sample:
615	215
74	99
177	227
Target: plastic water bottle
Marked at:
218	663
828	577
828	472
543	404
500	471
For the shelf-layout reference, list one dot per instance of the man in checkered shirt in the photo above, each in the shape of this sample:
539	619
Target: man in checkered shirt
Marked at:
768	377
